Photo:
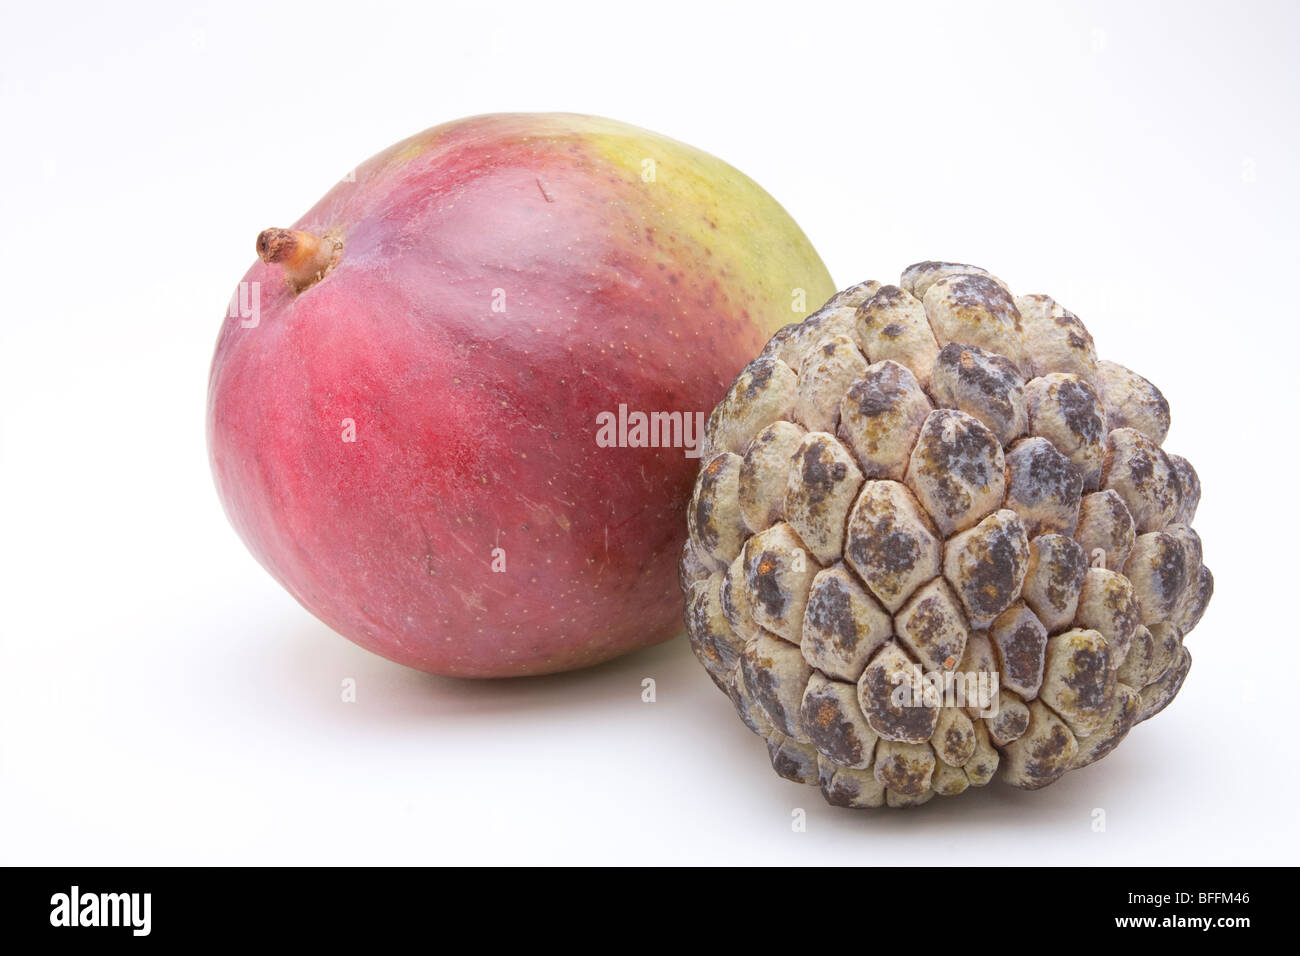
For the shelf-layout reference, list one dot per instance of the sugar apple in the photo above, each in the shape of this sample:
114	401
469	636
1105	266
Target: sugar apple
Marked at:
934	538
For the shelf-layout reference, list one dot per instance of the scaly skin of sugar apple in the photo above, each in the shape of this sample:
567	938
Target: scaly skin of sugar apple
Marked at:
935	487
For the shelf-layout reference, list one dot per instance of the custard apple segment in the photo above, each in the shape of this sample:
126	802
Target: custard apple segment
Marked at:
936	539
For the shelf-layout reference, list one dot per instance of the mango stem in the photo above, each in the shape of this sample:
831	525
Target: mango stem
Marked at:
304	257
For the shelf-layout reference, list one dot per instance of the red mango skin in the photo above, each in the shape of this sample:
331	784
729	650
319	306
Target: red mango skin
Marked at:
475	429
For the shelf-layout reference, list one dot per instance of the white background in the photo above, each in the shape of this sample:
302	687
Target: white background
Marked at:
162	700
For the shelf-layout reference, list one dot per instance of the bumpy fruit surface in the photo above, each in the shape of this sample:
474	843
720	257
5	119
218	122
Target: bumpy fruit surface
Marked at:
935	539
406	434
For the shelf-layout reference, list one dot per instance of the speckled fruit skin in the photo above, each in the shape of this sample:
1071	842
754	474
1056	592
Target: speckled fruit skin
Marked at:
474	428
